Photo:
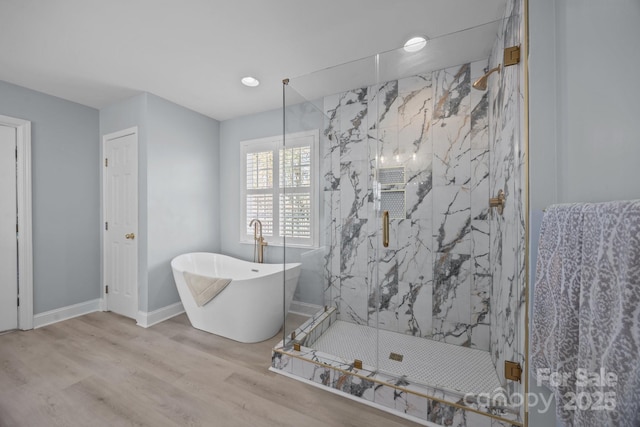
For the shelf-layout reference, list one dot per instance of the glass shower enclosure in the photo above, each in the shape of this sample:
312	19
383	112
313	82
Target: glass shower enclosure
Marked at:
414	283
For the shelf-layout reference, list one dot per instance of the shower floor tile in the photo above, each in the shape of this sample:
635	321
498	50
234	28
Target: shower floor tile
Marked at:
441	365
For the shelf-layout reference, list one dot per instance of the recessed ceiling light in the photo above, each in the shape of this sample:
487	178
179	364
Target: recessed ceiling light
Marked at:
415	44
250	81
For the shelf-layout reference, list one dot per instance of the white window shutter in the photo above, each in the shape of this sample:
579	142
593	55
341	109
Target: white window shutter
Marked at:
279	188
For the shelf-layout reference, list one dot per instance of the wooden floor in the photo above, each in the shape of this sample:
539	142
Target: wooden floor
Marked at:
103	370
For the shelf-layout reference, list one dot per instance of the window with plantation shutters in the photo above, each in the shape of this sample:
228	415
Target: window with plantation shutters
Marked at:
279	188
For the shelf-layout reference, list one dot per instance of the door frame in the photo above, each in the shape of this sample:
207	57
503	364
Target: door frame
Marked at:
25	236
107	137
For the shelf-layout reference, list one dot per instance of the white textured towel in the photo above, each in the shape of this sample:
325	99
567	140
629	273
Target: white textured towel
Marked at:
204	288
586	312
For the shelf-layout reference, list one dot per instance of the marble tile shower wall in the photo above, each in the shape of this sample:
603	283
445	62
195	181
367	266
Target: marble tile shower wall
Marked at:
507	248
434	279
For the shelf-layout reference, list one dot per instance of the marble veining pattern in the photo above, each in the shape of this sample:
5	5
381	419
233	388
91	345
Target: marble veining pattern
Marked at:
454	270
396	393
507	232
424	284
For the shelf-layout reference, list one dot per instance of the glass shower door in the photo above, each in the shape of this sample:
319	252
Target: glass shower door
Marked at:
400	108
347	179
420	283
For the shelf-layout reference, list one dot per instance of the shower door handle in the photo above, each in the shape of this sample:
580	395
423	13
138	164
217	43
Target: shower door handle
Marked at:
385	229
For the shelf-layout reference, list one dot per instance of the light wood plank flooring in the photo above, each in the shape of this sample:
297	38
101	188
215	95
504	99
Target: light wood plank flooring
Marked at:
103	370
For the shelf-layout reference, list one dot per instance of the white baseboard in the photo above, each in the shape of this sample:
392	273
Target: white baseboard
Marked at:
65	313
303	308
147	319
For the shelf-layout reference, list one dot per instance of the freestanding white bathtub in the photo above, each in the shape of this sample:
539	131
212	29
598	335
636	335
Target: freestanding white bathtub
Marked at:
251	308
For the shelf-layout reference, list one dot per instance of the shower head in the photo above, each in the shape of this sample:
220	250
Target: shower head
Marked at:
481	83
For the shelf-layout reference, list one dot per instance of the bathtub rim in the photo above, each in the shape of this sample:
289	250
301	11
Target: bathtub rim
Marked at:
287	266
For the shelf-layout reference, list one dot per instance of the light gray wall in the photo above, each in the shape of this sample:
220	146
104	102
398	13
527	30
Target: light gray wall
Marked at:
584	90
65	158
124	115
177	188
232	132
300	117
598	59
182	194
584	101
543	156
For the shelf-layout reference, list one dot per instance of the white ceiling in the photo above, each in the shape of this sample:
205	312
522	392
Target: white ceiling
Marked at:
194	52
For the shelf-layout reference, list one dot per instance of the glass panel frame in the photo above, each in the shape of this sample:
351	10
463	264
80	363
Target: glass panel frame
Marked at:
375	147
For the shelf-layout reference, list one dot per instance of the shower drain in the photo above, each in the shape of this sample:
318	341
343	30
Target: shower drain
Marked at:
395	356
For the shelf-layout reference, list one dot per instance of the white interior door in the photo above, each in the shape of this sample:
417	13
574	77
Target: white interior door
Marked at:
121	222
8	235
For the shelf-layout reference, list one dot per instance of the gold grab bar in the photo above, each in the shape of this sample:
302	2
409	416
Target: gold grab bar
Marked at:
385	229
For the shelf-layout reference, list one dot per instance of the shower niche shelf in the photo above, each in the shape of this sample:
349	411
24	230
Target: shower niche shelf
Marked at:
393	201
392	176
392	191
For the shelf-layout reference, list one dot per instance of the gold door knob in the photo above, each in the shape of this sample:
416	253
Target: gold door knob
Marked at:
130	236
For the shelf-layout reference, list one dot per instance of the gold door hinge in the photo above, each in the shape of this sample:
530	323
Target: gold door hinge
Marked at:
357	364
106	289
106	162
498	202
511	55
512	371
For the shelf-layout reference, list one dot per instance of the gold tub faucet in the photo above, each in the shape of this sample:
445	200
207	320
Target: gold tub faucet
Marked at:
259	240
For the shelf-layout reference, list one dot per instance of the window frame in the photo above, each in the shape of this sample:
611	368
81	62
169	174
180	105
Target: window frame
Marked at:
275	144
